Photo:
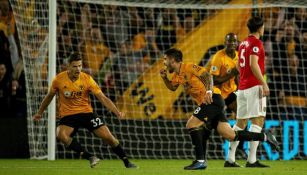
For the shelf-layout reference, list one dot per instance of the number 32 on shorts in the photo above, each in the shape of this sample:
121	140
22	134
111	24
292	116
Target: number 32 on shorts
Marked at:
96	122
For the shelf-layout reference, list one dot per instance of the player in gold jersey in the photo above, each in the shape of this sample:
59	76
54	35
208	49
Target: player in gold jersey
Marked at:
209	114
224	72
223	68
73	88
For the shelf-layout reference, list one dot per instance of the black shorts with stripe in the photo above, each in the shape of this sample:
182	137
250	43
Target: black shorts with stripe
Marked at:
212	113
89	121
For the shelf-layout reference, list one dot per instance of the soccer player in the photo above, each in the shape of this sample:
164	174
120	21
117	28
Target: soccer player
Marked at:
73	88
252	90
223	69
210	113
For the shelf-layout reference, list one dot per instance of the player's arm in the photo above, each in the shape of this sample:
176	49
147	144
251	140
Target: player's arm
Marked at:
215	68
207	80
257	73
46	101
219	80
108	104
166	81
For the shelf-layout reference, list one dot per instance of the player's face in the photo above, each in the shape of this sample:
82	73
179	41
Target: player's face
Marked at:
231	42
168	64
75	68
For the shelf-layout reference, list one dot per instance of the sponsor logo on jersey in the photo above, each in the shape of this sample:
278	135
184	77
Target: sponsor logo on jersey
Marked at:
213	68
255	49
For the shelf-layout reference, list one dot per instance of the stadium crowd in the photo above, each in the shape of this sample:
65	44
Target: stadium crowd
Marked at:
120	43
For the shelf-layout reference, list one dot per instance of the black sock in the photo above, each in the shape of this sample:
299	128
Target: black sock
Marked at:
248	136
197	140
206	135
118	150
75	146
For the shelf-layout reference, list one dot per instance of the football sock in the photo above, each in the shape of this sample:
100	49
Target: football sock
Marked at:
249	136
253	145
233	146
197	140
75	146
118	150
206	135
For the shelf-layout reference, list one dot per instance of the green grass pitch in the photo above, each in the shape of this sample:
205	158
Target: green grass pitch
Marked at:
146	167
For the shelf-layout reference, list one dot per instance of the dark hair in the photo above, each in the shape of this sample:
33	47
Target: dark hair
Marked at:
174	53
74	57
254	23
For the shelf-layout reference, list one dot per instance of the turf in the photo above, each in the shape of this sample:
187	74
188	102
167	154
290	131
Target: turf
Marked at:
146	167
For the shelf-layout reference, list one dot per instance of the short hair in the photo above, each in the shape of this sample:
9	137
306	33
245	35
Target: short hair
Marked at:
254	23
174	53
74	57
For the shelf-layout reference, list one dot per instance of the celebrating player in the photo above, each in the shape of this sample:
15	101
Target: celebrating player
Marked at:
222	67
210	113
253	89
73	88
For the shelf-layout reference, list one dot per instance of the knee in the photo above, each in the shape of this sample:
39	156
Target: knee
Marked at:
259	121
229	135
241	123
63	137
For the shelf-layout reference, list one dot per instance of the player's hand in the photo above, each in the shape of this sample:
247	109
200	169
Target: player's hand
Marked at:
208	98
264	91
163	73
37	117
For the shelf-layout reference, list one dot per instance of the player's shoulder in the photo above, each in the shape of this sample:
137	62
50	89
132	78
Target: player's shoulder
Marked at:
254	41
61	75
85	75
219	54
188	67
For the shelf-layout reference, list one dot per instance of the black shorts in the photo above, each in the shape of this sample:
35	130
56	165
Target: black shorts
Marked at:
213	113
232	97
89	121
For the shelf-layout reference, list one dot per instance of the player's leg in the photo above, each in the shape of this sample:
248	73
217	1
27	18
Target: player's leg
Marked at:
232	102
227	132
199	125
231	160
195	128
239	126
256	105
257	124
206	136
104	133
65	129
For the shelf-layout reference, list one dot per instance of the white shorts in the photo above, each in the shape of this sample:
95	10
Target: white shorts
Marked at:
249	103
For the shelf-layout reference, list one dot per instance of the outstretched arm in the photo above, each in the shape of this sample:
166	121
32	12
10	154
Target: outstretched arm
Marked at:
109	104
166	81
46	101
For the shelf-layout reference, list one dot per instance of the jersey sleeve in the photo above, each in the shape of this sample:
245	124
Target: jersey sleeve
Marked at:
215	65
196	70
255	48
54	85
93	86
